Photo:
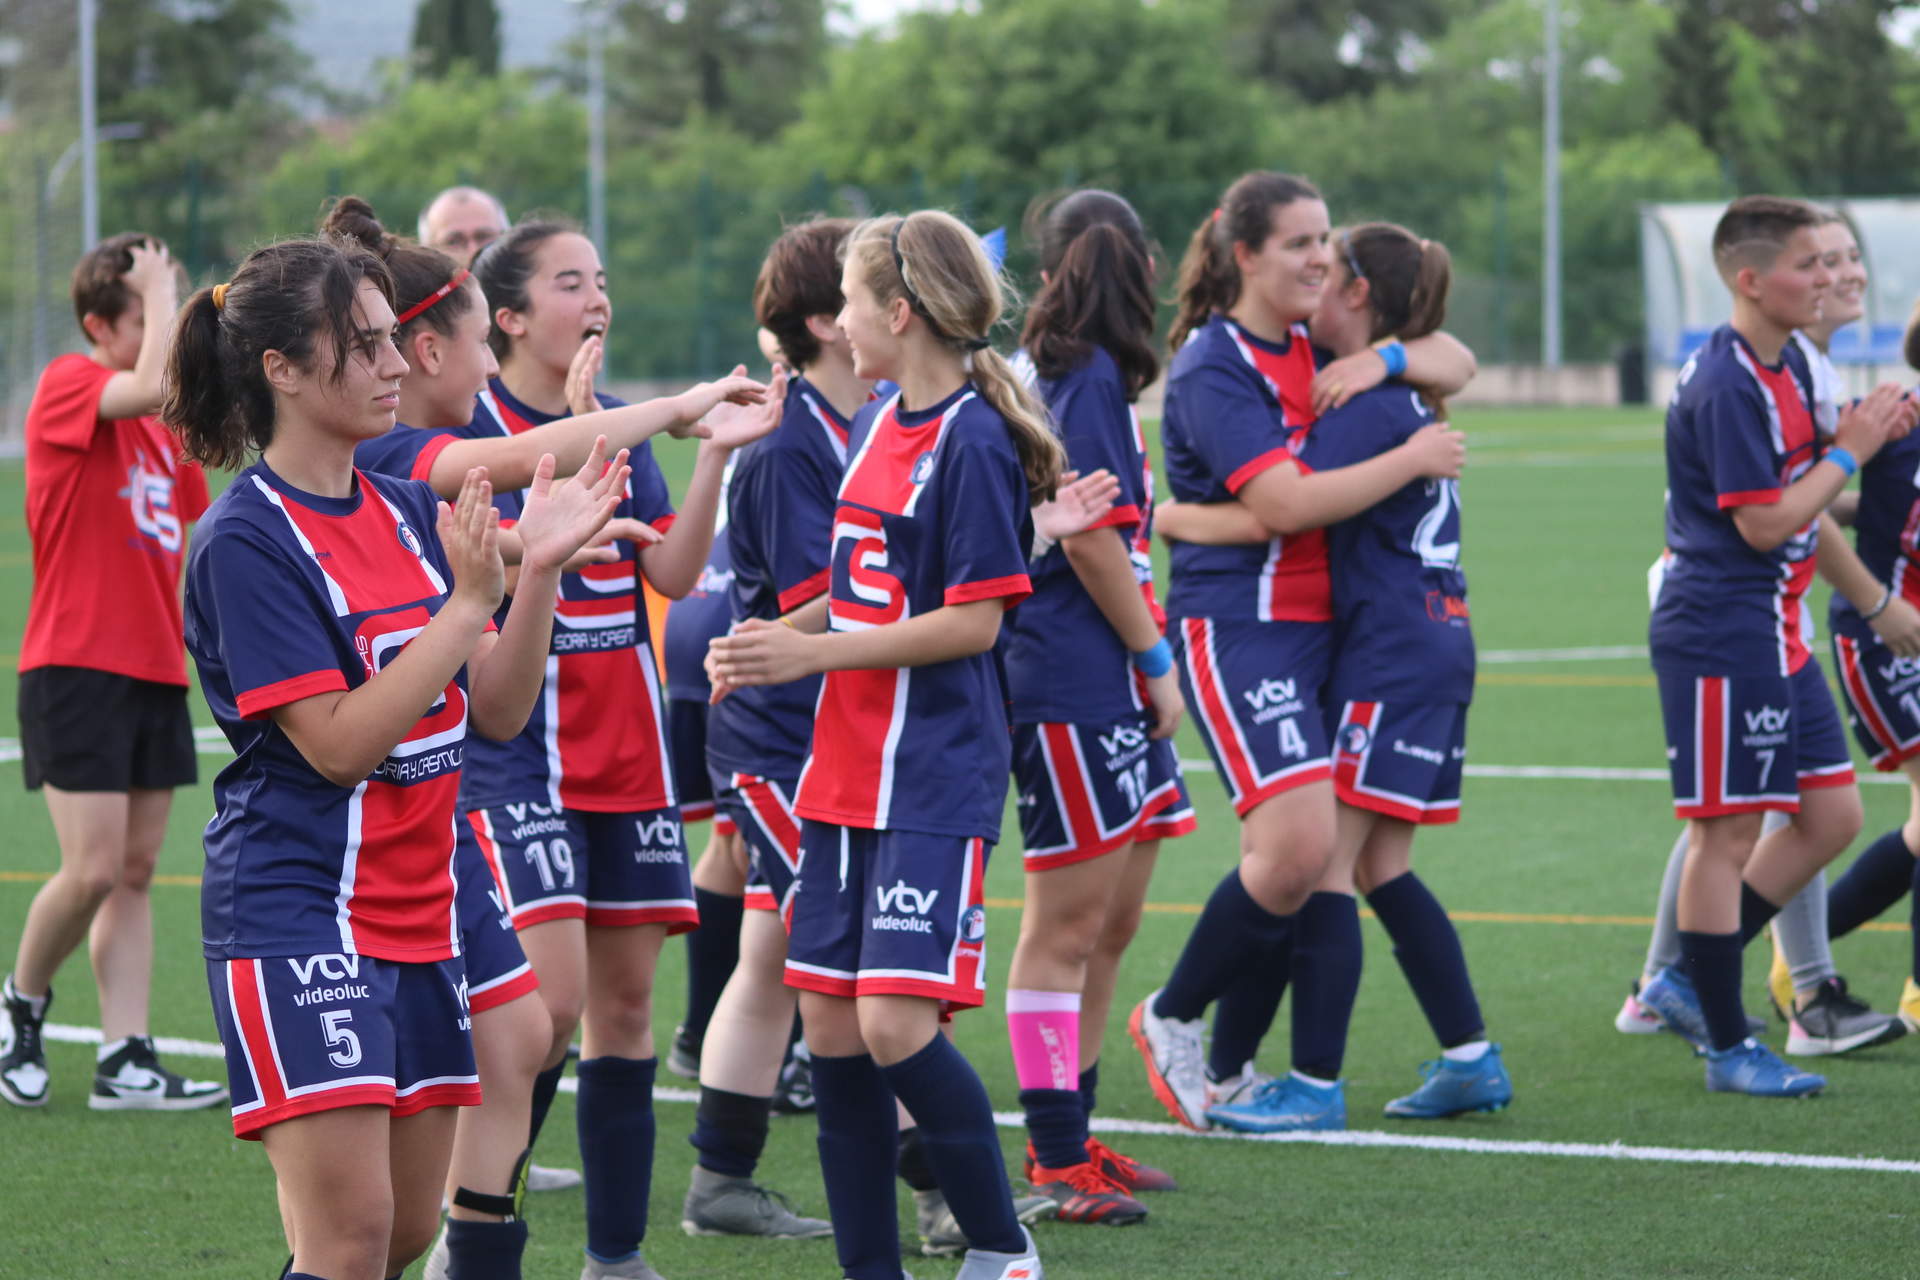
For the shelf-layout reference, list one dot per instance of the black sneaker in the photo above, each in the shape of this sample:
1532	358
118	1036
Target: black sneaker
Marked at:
683	1058
132	1079
793	1092
23	1062
1834	1021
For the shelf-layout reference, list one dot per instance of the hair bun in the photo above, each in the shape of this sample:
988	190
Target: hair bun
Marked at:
353	218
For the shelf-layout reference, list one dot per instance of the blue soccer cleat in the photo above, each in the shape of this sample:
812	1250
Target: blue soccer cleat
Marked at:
1455	1088
1671	996
1751	1068
1286	1105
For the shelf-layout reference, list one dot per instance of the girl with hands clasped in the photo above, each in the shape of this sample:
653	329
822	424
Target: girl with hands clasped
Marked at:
343	628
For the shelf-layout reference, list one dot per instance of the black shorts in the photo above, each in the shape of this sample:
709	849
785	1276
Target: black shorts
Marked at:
88	730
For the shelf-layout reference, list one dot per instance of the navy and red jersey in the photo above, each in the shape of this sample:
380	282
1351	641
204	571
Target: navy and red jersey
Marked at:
108	504
1237	405
1065	664
780	518
291	595
697	617
1886	532
409	452
933	511
597	739
1738	433
1399	598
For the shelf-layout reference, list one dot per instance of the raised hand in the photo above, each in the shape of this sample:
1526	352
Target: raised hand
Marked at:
558	520
700	399
153	268
732	424
600	548
1439	451
1347	377
1080	503
469	533
581	373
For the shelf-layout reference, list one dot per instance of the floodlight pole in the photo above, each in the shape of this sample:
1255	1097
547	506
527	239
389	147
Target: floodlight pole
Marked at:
1550	348
89	130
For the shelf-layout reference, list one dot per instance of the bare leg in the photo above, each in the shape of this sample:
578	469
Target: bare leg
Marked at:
121	938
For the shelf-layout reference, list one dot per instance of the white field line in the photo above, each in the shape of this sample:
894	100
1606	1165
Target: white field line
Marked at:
1583	653
1347	1138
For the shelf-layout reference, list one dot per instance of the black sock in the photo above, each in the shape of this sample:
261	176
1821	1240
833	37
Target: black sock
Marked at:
615	1113
1712	960
1427	947
1089	1086
485	1250
1755	912
912	1162
1326	979
1231	927
1245	1011
545	1085
730	1131
712	950
1057	1126
857	1133
939	1088
1878	878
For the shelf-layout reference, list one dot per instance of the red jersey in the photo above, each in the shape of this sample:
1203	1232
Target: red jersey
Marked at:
108	504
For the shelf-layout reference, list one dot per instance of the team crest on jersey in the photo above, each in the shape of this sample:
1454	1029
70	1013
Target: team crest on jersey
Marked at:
409	539
923	467
1354	739
973	925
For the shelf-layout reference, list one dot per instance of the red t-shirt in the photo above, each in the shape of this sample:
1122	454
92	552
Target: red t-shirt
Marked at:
108	504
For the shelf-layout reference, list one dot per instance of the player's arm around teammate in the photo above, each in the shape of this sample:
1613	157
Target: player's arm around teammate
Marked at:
903	789
356	620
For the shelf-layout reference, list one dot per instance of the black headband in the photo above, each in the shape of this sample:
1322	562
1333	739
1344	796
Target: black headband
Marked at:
913	299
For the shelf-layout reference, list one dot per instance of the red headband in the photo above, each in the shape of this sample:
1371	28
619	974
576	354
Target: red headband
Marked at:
459	278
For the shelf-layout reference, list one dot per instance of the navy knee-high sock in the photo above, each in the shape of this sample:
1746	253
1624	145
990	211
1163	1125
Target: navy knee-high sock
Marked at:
1089	1087
1245	1011
1712	960
857	1140
485	1250
1326	979
1428	949
712	951
939	1086
615	1113
1884	871
1231	927
1755	912
545	1085
730	1131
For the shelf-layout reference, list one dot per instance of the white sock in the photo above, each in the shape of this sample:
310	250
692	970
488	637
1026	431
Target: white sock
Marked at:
1315	1081
1470	1052
106	1051
36	1004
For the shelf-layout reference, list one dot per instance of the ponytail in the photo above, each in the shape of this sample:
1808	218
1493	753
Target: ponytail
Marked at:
1209	279
1099	290
1407	281
944	274
213	415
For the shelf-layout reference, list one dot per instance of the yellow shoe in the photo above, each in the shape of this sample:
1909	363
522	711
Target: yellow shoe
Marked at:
1910	1005
1780	984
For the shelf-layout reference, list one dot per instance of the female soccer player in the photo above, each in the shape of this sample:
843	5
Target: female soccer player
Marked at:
903	787
1095	702
1253	631
343	631
104	730
577	815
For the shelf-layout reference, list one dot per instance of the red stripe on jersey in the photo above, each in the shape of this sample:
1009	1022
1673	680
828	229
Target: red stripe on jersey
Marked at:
845	781
888	475
423	461
1750	498
401	902
1288	374
1119	517
257	702
612	735
1265	462
244	982
354	552
1015	588
809	589
837	431
1792	600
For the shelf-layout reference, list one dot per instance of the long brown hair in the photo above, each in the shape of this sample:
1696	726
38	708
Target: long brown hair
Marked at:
944	274
1099	289
1407	281
1209	278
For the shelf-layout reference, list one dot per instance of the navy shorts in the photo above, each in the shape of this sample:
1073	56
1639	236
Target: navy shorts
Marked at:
762	809
889	913
1255	692
687	728
1883	700
315	1033
497	969
1746	744
574	864
1402	759
1086	790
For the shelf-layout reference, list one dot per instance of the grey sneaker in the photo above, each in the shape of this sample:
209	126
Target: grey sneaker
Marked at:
1836	1022
541	1178
941	1236
23	1060
983	1264
718	1205
683	1057
634	1268
132	1079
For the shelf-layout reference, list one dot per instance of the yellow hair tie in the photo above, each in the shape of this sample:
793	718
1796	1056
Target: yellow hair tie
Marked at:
220	297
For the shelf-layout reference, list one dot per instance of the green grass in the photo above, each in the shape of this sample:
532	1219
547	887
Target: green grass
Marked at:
1562	513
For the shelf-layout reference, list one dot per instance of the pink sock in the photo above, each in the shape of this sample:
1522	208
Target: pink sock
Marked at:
1044	1027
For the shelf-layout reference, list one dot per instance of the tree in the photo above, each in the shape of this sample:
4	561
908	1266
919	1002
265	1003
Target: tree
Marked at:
1319	50
742	63
450	32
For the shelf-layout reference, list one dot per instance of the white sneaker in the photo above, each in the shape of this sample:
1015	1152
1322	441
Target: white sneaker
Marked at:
1236	1088
1634	1018
130	1078
541	1178
984	1264
1176	1061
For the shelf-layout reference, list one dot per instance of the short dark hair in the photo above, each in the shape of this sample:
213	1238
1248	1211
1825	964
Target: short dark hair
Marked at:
800	278
99	283
1754	229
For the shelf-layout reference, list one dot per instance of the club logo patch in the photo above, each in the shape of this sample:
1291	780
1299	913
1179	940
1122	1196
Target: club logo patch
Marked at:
923	467
1354	739
409	539
973	925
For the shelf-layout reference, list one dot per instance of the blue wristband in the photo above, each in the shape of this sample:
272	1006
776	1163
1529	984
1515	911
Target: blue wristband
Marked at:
1842	459
1395	355
1155	662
